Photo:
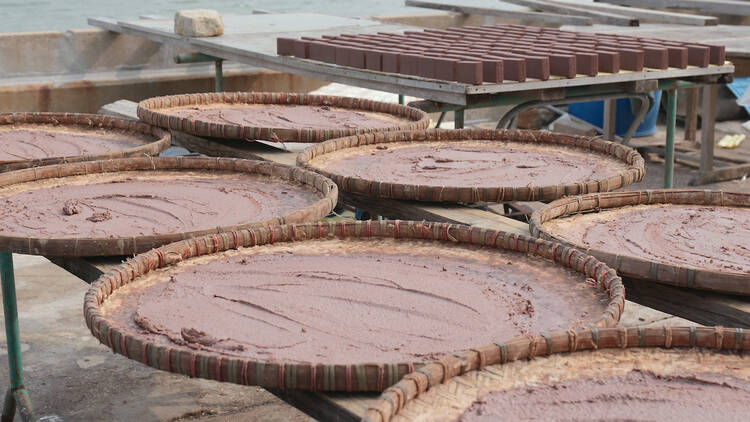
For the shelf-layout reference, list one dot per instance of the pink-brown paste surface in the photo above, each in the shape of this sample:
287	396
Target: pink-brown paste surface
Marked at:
129	204
352	301
696	236
470	164
21	143
287	116
636	396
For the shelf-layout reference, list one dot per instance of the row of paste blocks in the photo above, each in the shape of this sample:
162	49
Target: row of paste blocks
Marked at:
494	53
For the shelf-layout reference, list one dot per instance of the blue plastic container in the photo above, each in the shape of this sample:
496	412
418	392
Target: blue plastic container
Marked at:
593	112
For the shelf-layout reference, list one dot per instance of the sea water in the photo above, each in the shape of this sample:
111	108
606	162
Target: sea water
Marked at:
61	15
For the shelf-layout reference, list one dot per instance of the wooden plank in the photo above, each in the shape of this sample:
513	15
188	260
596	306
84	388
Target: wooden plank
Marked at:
722	174
724	7
596	16
339	407
647	15
531	17
702	307
443	213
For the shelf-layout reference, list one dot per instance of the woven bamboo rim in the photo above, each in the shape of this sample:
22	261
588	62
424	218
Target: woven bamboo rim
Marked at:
416	383
149	111
115	246
380	189
312	376
159	139
696	278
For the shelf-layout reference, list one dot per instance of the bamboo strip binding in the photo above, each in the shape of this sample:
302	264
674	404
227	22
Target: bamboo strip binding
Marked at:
695	278
149	110
380	189
159	139
414	384
115	246
312	376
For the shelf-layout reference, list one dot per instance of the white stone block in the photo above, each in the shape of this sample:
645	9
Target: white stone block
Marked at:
198	23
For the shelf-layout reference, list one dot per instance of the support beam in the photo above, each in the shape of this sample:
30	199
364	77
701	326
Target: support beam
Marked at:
724	7
648	15
691	114
609	119
599	17
16	398
535	17
669	152
708	121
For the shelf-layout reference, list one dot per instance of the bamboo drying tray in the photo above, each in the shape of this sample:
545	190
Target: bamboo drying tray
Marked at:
152	139
51	176
444	389
494	193
276	373
153	110
638	267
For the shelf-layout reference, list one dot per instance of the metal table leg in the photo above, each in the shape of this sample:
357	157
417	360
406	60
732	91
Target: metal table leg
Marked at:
16	398
458	119
669	153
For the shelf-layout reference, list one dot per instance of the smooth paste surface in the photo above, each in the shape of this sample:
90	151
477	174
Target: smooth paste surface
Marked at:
352	301
470	164
141	203
30	142
287	116
637	396
696	236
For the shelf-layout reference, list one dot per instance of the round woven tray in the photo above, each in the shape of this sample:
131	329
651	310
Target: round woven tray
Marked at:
146	139
309	375
445	389
33	179
155	111
359	145
639	267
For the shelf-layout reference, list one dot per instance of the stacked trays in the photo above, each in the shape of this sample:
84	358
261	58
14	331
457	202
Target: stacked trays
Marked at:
130	205
497	53
688	238
647	373
342	306
39	139
277	116
472	165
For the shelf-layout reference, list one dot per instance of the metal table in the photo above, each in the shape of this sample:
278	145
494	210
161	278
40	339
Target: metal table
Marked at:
251	39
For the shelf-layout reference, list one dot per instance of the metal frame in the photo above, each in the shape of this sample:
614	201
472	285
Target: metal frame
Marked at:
16	397
203	58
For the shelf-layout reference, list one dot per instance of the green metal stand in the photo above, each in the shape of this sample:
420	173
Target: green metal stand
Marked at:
16	398
669	153
202	58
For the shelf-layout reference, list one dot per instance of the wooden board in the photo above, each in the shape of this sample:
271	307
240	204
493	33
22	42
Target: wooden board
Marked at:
500	12
725	7
736	38
581	9
647	15
258	48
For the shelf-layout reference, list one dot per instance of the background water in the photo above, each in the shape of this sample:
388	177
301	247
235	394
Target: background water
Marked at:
45	15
